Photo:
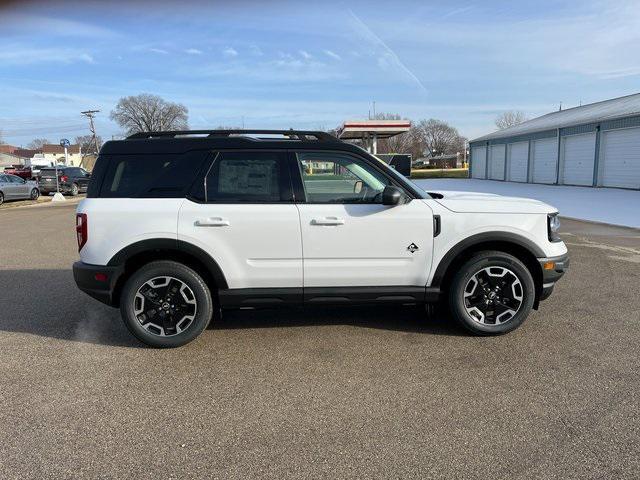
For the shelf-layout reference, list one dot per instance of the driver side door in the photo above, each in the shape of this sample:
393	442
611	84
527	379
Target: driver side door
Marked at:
349	238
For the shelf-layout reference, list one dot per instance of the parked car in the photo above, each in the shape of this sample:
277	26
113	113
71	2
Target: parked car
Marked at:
13	187
176	227
71	180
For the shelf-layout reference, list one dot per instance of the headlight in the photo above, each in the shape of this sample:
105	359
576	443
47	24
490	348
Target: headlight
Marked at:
553	227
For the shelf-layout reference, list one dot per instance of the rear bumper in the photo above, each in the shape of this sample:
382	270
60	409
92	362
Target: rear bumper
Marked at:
551	275
97	281
46	188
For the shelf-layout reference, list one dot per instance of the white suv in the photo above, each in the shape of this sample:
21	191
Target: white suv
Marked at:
179	225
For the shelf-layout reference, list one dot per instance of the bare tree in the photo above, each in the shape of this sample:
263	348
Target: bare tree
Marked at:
149	113
38	143
510	118
86	143
438	137
1	138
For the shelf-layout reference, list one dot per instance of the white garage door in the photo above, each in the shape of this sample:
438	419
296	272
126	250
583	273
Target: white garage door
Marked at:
620	158
517	158
545	158
478	162
496	162
578	153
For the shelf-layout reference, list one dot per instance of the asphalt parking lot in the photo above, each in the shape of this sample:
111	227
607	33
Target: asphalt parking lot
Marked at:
331	393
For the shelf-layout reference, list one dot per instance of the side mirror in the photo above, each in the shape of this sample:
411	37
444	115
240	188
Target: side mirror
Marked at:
391	195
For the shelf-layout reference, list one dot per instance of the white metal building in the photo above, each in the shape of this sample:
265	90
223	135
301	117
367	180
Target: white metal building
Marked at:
592	145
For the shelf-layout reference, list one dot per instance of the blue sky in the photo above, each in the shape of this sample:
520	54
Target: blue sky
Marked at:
310	64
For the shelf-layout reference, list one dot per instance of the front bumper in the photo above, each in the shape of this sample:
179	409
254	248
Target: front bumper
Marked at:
553	268
97	281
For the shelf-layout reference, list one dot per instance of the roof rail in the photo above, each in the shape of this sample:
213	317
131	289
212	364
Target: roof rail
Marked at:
302	135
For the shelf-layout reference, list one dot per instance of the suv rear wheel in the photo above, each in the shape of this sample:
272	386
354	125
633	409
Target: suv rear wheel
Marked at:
166	304
492	293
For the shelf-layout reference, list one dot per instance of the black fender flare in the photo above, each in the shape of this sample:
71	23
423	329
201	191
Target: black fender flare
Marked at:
181	246
480	238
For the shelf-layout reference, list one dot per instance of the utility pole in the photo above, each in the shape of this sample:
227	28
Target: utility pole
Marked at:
94	140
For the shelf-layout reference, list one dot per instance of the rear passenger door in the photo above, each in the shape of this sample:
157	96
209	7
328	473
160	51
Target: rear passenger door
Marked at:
242	213
80	177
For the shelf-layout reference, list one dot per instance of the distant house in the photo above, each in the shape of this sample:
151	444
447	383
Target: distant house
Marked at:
6	148
25	152
55	154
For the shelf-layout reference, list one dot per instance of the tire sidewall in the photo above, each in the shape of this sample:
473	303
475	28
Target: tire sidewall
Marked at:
36	195
74	189
181	272
470	268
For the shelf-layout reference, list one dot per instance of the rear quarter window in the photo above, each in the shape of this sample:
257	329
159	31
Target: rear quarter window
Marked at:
151	176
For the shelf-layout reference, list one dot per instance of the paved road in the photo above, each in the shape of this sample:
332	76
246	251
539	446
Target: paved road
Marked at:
325	393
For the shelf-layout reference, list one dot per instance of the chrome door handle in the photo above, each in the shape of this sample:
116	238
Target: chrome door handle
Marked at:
328	221
213	222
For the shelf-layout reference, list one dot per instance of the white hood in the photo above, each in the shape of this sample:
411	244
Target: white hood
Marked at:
472	202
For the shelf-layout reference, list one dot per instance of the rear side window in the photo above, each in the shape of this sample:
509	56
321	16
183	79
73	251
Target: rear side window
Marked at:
151	176
246	177
49	172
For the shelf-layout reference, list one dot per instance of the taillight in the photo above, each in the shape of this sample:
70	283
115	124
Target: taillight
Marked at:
81	229
64	178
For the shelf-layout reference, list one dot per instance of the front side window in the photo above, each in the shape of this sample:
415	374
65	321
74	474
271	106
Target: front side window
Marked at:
330	177
247	177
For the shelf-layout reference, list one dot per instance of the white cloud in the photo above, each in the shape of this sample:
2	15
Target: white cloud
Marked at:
160	51
25	56
230	52
333	55
306	55
85	57
193	51
256	50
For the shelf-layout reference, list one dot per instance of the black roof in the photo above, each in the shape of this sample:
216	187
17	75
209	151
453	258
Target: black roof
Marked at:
183	141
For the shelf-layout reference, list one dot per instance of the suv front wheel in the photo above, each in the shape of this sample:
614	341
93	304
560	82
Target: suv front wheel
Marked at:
166	304
492	293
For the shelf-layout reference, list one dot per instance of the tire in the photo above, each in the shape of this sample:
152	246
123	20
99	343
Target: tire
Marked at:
35	194
492	293
144	315
74	189
1	198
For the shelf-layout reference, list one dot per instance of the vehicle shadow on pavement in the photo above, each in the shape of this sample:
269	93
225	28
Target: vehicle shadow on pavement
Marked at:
47	303
409	318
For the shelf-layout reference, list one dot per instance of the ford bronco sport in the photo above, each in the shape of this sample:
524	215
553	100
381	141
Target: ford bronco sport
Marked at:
178	226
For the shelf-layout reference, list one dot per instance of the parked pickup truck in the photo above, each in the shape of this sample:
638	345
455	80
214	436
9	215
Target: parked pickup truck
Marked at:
21	171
